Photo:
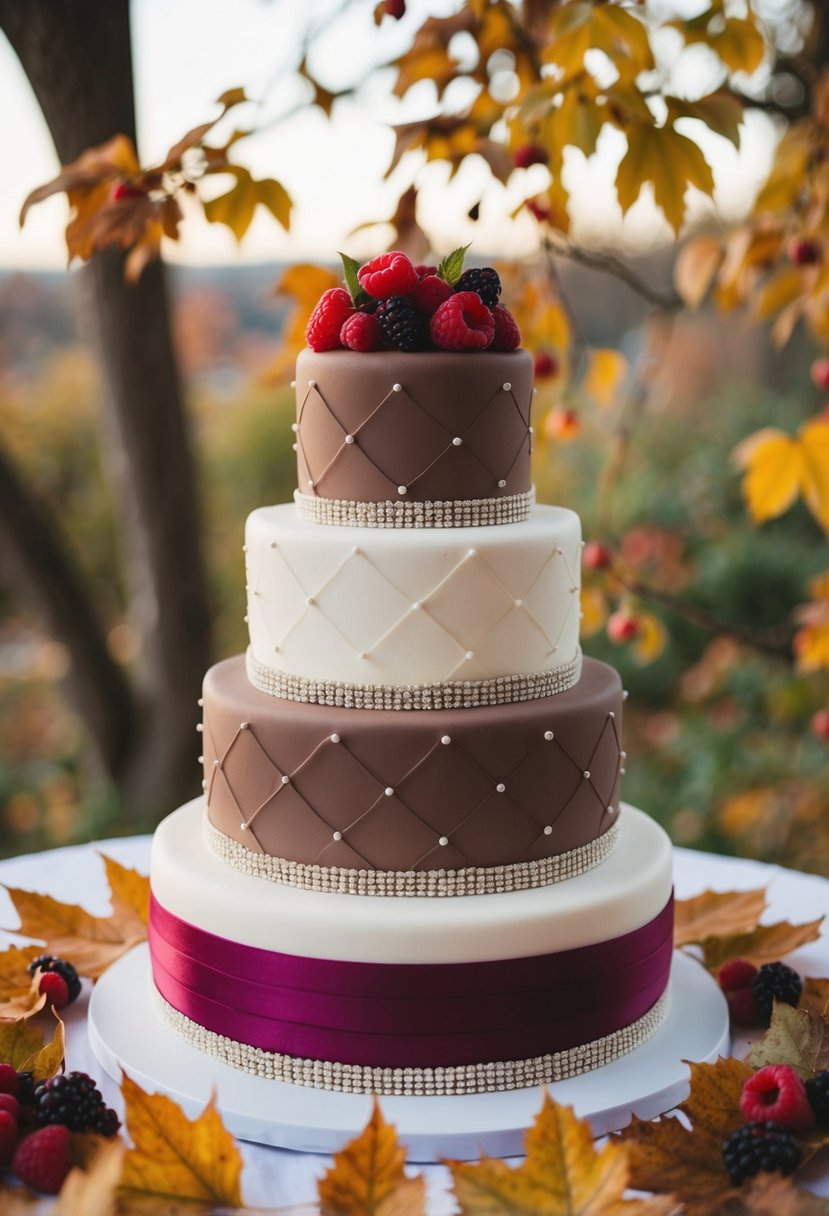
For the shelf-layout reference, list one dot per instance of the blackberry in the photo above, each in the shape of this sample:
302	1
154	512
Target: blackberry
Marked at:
25	1089
775	982
817	1091
48	962
74	1100
402	325
484	281
760	1146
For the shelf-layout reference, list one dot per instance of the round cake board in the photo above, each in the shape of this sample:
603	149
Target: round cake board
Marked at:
127	1032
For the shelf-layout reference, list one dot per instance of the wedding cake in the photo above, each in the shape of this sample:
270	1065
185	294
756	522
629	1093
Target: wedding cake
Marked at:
410	871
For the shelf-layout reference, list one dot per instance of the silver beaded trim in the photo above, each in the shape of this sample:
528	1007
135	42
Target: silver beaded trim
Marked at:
452	694
472	880
463	1079
464	513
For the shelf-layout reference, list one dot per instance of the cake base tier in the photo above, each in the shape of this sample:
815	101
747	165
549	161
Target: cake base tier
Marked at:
127	1033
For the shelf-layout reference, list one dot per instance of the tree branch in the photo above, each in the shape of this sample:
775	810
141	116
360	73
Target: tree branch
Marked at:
665	299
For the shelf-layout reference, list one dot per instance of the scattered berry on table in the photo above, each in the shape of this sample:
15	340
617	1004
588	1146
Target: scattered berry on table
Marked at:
402	325
9	1083
74	1100
49	963
463	322
529	154
55	989
775	982
777	1093
817	1091
41	1161
482	280
430	293
361	332
507	335
760	1146
736	978
328	318
9	1133
545	365
10	1105
390	274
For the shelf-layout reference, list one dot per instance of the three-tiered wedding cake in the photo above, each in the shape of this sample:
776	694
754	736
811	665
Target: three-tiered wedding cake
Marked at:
410	872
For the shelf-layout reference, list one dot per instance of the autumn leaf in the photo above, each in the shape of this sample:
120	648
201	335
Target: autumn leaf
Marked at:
777	467
575	29
129	890
91	943
651	638
19	996
606	373
236	207
368	1176
563	1175
774	1195
717	913
696	265
173	1157
593	610
93	1191
19	1041
14	1201
765	944
799	1037
815	996
670	162
45	1061
721	112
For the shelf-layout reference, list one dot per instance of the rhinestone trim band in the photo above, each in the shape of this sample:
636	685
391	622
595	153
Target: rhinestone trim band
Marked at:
453	694
472	880
465	513
463	1079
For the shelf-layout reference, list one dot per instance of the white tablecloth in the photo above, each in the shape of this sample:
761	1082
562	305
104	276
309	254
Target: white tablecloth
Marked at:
278	1177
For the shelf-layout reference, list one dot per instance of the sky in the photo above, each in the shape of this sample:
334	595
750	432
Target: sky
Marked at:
187	52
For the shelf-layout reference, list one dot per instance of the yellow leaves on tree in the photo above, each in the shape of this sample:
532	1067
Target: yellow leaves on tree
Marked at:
236	207
811	642
778	468
93	943
368	1176
670	162
606	373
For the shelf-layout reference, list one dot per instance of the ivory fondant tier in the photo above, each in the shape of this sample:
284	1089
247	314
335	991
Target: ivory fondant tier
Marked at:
438	426
446	790
364	607
406	994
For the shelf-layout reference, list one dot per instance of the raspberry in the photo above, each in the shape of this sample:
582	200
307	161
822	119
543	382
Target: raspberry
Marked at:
429	294
390	274
361	332
9	1083
736	978
484	280
507	335
529	154
736	973
423	270
10	1105
42	1159
402	325
48	963
463	322
323	329
760	1146
777	1093
545	365
775	982
8	1137
817	1091
55	988
74	1100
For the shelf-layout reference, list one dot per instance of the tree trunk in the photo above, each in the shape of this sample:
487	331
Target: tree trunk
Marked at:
77	56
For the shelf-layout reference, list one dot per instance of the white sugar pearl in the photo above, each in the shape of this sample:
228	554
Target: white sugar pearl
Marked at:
244	726
445	739
294	427
312	384
500	787
294	447
335	738
519	603
293	384
586	774
388	791
337	836
548	831
310	601
507	386
285	779
548	735
470	654
443	840
397	388
501	484
471	552
244	826
349	438
402	489
457	441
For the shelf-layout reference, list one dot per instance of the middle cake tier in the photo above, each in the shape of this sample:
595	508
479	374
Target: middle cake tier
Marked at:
448	802
418	618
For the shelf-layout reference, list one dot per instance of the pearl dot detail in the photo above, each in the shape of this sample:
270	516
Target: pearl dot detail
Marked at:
397	388
335	738
586	774
310	601
470	654
349	438
548	831
293	384
443	840
507	386
501	483
519	603
244	726
337	836
312	384
388	791
457	441
472	552
446	740
402	489
285	779
500	787
549	736
244	826
294	447
294	427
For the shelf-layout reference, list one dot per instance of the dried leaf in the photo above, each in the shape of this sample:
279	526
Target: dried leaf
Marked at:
717	913
47	1060
698	261
19	995
18	1042
815	995
368	1176
799	1037
14	1201
774	1195
765	944
129	890
93	1191
174	1157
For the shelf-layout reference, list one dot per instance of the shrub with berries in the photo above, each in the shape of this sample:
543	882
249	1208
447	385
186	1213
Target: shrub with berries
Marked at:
389	303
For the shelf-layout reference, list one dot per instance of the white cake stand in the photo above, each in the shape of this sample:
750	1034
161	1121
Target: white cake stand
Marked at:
126	1032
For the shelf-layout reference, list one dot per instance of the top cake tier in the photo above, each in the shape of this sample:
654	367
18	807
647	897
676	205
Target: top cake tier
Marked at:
436	438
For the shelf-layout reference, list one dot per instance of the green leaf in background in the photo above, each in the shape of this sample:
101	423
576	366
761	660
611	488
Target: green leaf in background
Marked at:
451	268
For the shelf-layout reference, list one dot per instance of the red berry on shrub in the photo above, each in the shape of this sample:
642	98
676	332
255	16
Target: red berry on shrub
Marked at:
820	374
596	556
390	274
123	190
507	335
538	209
622	626
820	724
463	322
545	365
529	154
327	319
803	252
429	294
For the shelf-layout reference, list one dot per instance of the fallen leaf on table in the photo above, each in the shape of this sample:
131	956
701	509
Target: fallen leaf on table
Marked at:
19	998
799	1037
90	943
368	1176
18	1042
174	1158
815	995
92	1189
765	944
563	1175
774	1195
14	1201
717	914
47	1060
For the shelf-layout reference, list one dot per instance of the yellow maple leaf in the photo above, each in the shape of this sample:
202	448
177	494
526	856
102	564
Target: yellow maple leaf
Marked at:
19	996
593	609
236	207
173	1157
651	638
670	162
575	29
717	912
19	1041
764	944
698	262
606	373
368	1176
93	1191
47	1060
778	467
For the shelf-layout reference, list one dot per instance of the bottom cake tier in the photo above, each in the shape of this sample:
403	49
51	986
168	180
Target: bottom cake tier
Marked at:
408	995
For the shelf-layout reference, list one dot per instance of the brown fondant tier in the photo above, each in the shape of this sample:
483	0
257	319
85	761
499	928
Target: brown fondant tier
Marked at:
436	426
446	790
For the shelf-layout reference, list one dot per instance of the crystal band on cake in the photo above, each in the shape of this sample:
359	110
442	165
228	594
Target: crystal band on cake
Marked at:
474	880
420	1082
454	694
465	513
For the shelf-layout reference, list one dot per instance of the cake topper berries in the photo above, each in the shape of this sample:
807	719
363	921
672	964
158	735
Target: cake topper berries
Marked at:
392	304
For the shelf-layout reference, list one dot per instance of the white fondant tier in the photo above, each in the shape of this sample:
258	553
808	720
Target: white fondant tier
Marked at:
365	606
624	893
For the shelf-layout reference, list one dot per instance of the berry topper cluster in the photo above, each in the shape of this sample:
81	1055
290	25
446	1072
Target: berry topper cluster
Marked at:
392	304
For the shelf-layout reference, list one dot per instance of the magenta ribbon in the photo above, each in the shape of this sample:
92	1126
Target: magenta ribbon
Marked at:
409	1015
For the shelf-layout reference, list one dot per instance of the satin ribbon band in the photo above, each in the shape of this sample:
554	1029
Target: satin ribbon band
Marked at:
409	1015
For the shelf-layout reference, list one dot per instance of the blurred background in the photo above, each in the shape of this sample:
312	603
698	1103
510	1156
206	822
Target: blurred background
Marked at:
145	406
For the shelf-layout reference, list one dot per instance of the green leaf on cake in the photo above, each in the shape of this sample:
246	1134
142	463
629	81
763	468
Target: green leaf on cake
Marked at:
350	268
451	268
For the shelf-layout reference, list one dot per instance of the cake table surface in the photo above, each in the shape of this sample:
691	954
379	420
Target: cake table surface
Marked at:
278	1176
